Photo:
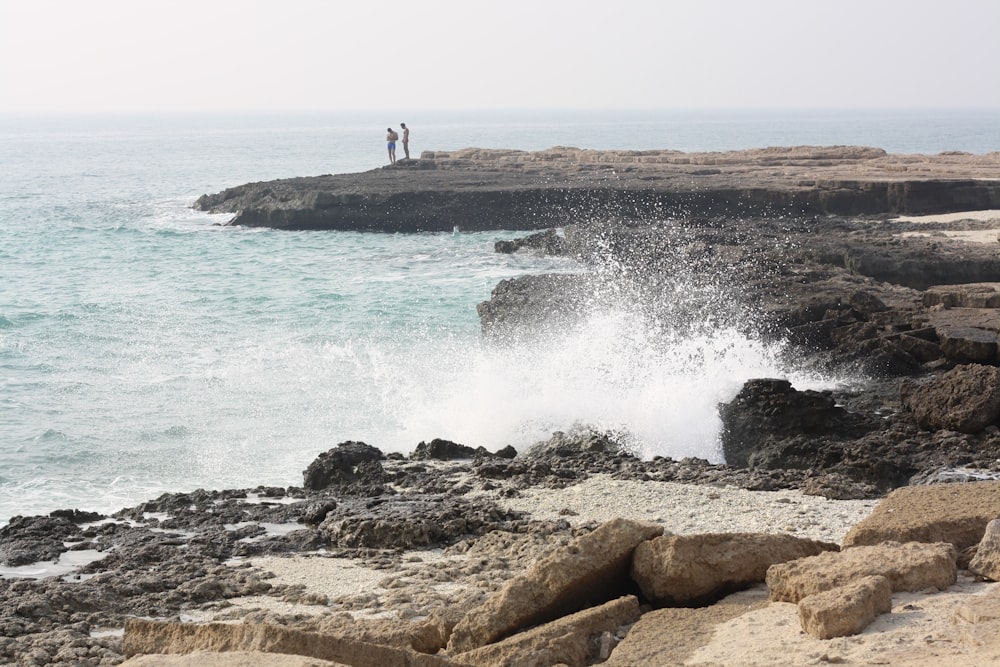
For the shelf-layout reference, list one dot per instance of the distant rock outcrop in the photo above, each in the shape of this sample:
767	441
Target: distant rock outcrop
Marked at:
478	189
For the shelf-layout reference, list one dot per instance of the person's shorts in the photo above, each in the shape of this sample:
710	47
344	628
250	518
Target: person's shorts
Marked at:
392	145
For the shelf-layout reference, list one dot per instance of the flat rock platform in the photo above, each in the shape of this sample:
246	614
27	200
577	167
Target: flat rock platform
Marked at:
489	189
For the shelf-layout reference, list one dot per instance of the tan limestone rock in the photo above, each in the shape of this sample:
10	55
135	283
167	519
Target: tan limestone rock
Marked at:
908	567
669	636
591	569
142	636
573	640
235	659
687	569
845	610
427	635
955	513
981	609
986	562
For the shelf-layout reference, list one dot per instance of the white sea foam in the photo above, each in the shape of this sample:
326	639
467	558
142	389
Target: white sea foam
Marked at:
611	373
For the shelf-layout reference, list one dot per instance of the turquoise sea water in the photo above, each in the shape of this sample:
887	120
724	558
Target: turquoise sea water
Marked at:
144	349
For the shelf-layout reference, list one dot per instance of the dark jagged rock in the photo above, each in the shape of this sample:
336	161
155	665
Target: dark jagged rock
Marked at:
35	538
442	450
549	242
770	411
76	516
339	464
535	306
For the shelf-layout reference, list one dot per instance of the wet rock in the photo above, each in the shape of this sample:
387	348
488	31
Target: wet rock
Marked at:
77	516
339	465
767	412
26	540
507	452
535	306
548	242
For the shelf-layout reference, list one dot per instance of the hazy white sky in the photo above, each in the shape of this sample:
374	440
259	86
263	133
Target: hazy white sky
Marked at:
273	55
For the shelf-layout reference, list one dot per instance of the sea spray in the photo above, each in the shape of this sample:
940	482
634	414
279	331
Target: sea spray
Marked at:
645	345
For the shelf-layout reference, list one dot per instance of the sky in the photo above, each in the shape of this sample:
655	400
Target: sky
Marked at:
321	55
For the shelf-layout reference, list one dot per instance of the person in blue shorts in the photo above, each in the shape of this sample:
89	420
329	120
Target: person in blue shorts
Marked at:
390	138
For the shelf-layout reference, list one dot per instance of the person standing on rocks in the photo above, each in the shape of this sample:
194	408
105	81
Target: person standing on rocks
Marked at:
406	140
391	136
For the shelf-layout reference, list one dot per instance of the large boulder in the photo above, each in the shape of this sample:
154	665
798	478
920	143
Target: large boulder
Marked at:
535	307
986	562
443	450
956	513
769	411
693	569
590	570
907	567
966	399
339	465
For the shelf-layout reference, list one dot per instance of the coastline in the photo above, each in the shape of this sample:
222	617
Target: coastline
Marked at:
426	542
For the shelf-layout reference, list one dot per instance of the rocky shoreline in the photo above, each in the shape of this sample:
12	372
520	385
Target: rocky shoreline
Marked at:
905	308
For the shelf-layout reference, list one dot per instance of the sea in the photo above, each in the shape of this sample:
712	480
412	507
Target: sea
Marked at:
145	348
